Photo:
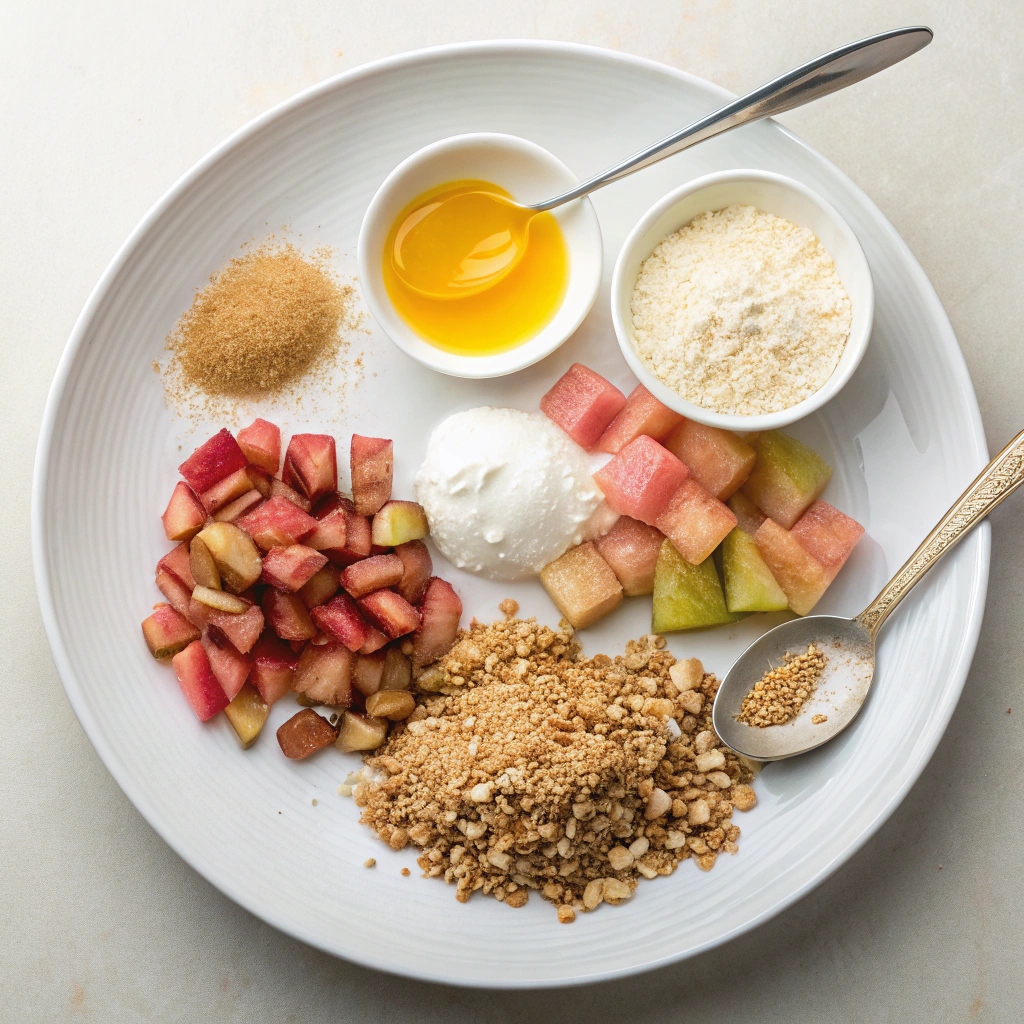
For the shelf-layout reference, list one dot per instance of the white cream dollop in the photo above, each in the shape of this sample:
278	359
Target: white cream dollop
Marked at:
505	491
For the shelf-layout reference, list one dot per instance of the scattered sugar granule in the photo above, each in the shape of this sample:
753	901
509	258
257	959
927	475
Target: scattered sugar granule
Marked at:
741	312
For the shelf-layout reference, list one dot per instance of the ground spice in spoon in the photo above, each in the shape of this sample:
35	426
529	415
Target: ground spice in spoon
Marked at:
781	692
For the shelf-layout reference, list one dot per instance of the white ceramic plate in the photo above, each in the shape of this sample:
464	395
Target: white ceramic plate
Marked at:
904	437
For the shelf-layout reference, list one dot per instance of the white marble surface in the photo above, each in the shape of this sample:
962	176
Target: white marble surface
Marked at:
103	106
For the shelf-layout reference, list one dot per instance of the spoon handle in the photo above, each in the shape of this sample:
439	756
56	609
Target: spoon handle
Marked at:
823	75
998	480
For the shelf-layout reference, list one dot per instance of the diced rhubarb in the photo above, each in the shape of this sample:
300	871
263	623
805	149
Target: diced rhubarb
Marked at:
695	521
786	478
341	619
235	555
749	583
583	404
686	596
399	522
242	630
748	516
304	734
372	461
247	713
311	464
373	573
273	664
828	534
343	536
176	562
225	491
167	632
261	480
277	523
582	585
631	549
261	443
198	683
220	600
291	568
230	667
279	489
719	460
321	586
239	507
441	611
216	459
374	642
287	616
642	414
330	532
390	612
802	577
184	516
640	480
416	569
361	732
178	595
368	672
331	502
324	674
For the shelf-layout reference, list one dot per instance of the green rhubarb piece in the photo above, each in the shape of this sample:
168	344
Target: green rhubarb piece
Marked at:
786	478
749	583
686	596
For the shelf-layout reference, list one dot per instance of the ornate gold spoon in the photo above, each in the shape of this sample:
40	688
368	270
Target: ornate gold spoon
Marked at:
849	644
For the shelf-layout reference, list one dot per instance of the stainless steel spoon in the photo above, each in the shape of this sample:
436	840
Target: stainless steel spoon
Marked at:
849	644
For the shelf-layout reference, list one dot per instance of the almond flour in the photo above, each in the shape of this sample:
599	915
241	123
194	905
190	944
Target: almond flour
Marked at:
741	312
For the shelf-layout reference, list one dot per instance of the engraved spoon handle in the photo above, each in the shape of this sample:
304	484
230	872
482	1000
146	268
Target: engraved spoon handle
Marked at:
998	480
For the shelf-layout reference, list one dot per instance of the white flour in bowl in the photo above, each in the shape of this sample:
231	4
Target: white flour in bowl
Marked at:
741	312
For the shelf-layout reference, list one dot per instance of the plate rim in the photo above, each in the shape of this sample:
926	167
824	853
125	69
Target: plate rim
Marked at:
981	540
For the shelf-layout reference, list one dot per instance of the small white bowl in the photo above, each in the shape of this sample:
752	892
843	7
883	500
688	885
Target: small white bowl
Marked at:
771	193
530	174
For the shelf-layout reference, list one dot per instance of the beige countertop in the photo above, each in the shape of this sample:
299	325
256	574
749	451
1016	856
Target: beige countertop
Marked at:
103	106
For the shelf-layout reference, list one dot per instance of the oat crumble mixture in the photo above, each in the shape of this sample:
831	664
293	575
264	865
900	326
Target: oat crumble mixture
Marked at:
780	694
529	768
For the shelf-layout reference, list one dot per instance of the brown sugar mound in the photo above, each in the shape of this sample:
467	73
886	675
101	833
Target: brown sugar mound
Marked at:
532	769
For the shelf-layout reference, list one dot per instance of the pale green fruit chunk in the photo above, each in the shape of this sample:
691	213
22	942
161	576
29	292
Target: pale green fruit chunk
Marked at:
786	478
686	596
749	583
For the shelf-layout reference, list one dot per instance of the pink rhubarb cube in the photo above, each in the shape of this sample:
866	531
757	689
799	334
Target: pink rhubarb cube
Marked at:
828	534
695	521
583	404
640	480
642	414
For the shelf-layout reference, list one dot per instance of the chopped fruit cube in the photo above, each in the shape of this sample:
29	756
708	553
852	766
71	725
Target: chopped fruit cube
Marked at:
801	576
749	583
786	478
273	665
235	555
441	610
358	543
373	573
202	566
261	480
320	587
331	502
178	595
167	632
261	443
748	516
184	516
304	734
230	667
642	414
374	642
238	508
686	596
247	713
217	458
287	616
242	630
341	620
583	404
324	674
330	532
291	568
828	534
368	672
277	523
198	683
397	673
417	567
361	732
641	479
311	464
390	612
695	521
582	585
279	489
219	600
600	523
631	549
398	522
718	459
372	461
394	704
225	491
176	562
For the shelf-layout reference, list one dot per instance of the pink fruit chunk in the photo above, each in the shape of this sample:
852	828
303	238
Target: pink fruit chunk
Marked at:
416	569
239	507
748	516
279	489
230	667
287	616
178	563
390	612
179	597
695	521
583	404
311	464
357	540
277	523
374	642
441	611
372	462
331	502
642	414
324	674
342	620
631	549
291	568
198	683
217	458
261	444
273	664
243	629
828	534
261	480
225	491
582	585
330	532
184	516
719	460
802	577
373	573
166	632
640	480
321	586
